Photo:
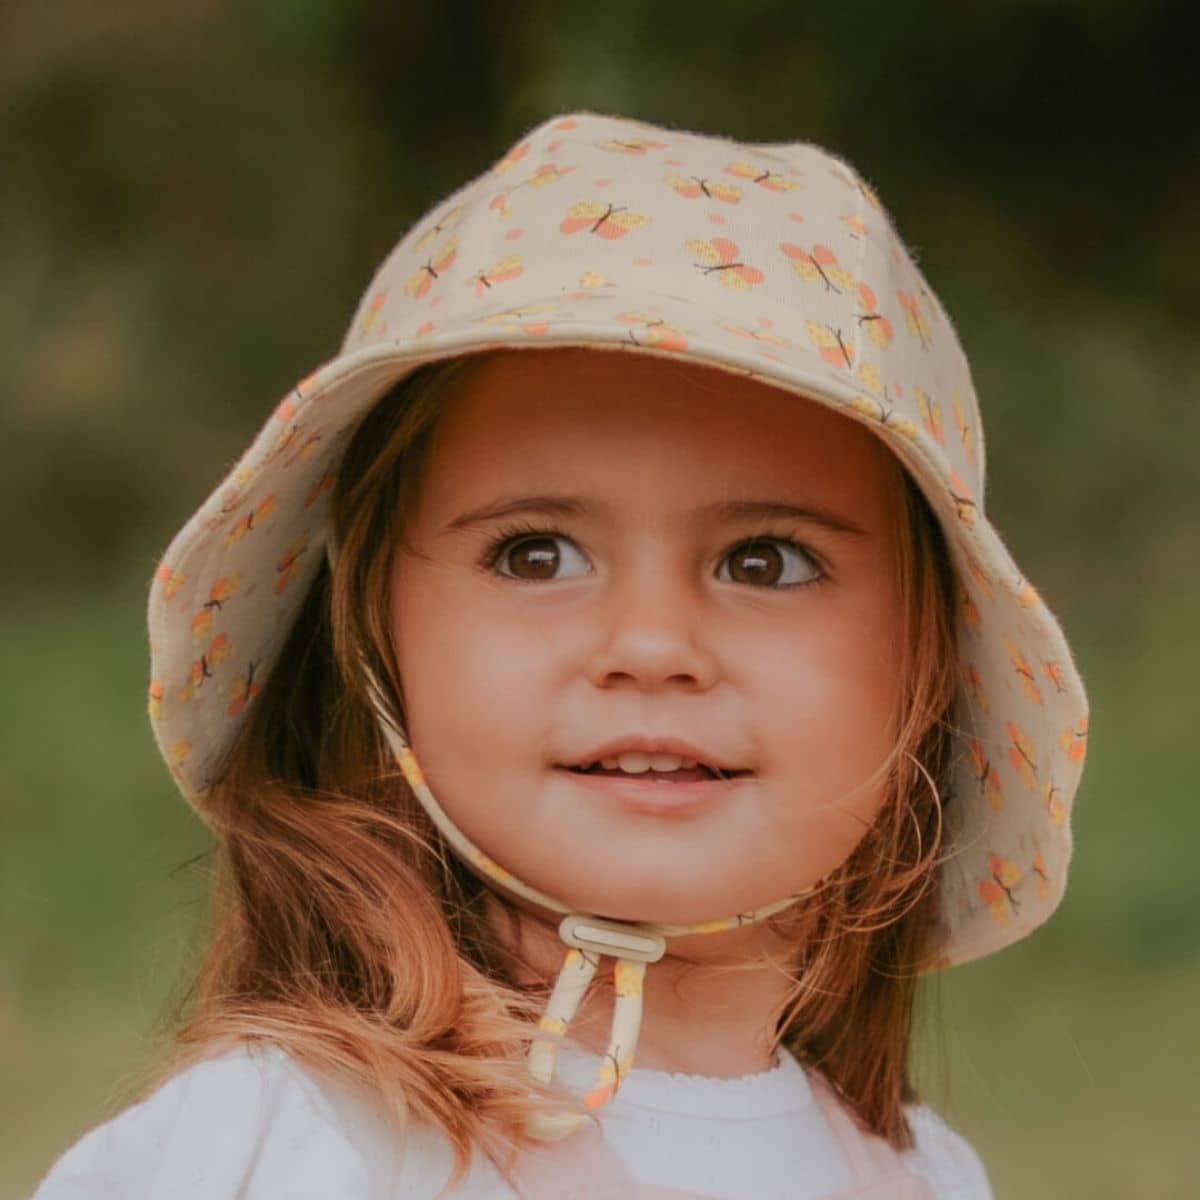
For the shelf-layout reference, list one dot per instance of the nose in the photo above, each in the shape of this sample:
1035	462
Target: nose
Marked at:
650	629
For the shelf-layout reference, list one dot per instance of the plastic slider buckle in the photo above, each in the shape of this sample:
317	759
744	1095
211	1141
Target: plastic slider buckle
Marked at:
613	938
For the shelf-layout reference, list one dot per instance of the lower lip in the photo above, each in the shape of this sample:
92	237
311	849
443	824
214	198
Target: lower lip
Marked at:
659	797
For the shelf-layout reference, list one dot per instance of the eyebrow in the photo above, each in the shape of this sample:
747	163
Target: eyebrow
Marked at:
573	506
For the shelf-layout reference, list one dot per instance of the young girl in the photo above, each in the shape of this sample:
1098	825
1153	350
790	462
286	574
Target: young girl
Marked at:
604	660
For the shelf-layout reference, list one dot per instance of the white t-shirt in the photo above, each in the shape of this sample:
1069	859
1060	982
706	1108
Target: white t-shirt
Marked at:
254	1124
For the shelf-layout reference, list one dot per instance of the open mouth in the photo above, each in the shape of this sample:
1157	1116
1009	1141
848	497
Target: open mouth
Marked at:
699	773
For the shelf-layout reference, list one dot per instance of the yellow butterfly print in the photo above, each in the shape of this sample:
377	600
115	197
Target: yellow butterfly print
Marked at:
155	698
770	180
1020	754
1054	805
1039	871
242	690
513	156
1024	671
721	255
604	220
975	684
251	520
655	331
931	414
883	412
693	186
960	421
878	327
967	603
819	263
635	145
218	594
756	335
286	566
507	268
914	318
996	890
830	343
987	777
447	220
219	649
1073	740
171	580
964	505
421	281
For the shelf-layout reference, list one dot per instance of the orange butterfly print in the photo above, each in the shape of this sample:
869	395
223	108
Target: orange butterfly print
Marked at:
604	220
964	505
856	225
1073	740
869	193
830	343
756	335
821	264
219	649
960	421
1020	754
321	486
1053	671
884	413
655	331
1054	805
242	690
513	156
996	890
977	690
721	255
1039	871
171	580
693	186
507	268
515	318
286	567
931	414
218	594
251	520
770	180
967	603
878	327
448	220
1024	671
914	318
420	281
980	576
155	698
373	310
987	777
635	145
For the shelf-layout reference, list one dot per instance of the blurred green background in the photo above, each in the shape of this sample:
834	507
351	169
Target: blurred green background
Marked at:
194	194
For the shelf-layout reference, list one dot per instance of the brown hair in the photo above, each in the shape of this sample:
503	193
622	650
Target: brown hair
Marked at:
345	930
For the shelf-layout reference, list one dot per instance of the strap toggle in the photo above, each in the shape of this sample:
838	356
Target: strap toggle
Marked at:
615	938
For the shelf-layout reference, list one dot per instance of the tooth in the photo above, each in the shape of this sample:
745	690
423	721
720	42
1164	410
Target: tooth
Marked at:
610	764
634	762
687	763
665	762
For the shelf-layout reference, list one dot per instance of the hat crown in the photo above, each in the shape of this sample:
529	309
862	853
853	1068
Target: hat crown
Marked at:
779	243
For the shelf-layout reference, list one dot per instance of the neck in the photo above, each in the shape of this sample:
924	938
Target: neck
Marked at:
709	1006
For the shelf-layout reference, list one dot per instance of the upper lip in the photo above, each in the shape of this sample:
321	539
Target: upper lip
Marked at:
653	745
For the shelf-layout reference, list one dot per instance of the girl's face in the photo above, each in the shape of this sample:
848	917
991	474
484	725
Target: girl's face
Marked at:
620	596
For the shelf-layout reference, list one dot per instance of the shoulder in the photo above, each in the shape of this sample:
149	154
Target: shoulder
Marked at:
945	1158
248	1123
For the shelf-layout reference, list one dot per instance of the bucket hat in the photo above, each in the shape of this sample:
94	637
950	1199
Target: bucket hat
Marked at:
772	260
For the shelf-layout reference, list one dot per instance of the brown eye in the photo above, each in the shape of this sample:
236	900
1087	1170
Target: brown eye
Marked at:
536	558
760	563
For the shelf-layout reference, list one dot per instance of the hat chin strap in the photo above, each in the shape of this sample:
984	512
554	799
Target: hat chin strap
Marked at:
632	944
